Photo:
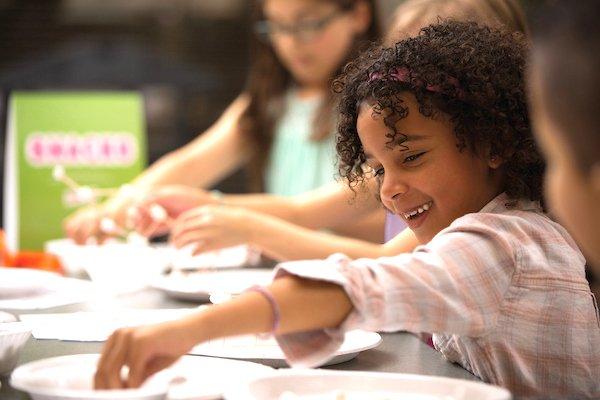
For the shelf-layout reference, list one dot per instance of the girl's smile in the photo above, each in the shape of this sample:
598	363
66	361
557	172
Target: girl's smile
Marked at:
415	216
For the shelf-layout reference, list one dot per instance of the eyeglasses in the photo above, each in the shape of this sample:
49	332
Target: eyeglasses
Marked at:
304	31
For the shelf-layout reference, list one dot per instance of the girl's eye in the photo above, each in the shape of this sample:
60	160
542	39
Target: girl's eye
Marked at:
378	172
413	157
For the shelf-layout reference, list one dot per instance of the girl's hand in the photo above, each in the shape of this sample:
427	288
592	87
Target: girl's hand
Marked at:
145	350
85	224
174	199
214	227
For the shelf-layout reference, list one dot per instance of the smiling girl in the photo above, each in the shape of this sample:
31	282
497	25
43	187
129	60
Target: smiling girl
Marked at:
441	120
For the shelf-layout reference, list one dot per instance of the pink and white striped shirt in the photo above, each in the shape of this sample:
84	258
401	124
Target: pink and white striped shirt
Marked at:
503	291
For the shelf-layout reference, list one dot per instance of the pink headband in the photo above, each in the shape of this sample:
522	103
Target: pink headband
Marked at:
402	74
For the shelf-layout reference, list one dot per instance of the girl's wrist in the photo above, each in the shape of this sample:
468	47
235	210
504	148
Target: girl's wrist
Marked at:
256	227
199	327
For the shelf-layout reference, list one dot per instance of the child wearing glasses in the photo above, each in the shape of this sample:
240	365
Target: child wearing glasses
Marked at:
281	126
440	120
287	228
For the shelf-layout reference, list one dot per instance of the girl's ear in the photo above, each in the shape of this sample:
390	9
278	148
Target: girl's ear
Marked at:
362	17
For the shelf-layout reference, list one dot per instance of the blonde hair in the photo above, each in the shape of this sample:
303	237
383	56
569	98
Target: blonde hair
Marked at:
412	15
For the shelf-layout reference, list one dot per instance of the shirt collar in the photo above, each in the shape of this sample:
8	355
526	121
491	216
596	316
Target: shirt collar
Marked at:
502	203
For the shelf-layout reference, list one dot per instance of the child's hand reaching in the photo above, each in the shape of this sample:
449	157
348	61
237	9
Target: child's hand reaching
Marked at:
214	227
145	350
174	200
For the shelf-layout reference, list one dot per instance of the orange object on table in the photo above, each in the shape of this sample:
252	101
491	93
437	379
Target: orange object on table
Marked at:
5	254
28	259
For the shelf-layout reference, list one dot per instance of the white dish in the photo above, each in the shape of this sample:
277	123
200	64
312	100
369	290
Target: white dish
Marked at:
208	378
13	337
24	282
267	351
199	286
336	385
104	262
72	377
191	378
229	257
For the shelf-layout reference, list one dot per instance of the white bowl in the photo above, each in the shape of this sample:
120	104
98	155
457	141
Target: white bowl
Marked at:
332	385
116	265
71	377
13	337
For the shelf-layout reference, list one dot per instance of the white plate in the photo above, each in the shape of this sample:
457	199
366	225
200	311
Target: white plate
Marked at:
199	286
335	385
72	377
191	378
267	351
24	282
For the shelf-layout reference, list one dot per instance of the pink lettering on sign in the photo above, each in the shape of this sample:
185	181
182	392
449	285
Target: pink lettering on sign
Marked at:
97	148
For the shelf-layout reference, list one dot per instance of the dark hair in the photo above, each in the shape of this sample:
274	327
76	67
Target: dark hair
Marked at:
267	83
472	73
566	37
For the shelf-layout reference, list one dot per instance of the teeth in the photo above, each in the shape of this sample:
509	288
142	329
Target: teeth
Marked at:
420	210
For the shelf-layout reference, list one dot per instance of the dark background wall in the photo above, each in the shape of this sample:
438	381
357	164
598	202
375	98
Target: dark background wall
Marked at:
188	58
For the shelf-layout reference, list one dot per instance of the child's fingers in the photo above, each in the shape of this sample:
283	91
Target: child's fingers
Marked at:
85	231
208	245
114	355
191	237
154	229
137	360
199	221
100	375
198	212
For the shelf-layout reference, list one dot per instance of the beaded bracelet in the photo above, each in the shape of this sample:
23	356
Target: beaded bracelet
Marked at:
274	306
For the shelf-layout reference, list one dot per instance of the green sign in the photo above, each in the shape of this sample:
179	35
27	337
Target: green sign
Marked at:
98	137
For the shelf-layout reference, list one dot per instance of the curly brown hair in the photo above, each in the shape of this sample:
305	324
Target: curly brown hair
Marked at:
471	73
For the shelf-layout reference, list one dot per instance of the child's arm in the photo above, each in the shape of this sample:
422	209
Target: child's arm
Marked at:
146	350
214	227
202	162
333	206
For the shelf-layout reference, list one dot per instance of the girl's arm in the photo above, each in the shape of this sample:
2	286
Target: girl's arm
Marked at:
335	207
214	227
202	162
356	214
284	242
304	305
206	159
330	206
